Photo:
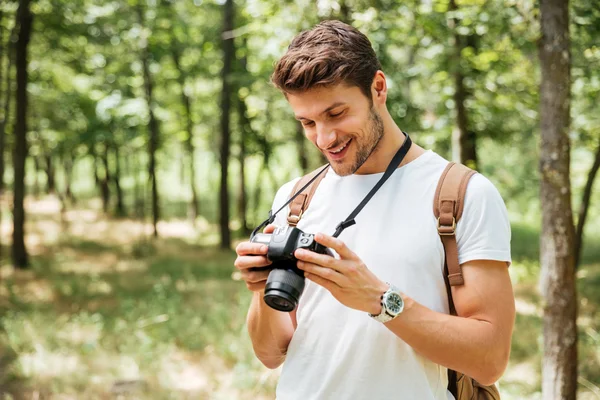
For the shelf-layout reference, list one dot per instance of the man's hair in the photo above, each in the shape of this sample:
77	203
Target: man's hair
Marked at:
329	54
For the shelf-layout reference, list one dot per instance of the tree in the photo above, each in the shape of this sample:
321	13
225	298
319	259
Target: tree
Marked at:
464	139
176	52
152	122
585	205
9	52
557	253
24	20
228	56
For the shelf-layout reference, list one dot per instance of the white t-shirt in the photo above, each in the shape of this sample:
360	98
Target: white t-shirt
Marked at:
341	353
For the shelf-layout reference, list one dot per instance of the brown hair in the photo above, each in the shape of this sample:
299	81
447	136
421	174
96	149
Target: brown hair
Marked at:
330	53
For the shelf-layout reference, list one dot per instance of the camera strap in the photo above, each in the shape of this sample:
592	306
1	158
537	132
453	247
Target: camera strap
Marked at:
349	221
273	214
398	157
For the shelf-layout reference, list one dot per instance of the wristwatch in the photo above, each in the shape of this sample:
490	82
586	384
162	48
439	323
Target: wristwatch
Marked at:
391	305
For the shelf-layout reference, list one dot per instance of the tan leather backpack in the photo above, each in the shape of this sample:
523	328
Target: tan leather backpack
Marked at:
447	207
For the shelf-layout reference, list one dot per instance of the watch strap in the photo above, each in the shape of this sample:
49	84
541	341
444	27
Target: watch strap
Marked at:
384	315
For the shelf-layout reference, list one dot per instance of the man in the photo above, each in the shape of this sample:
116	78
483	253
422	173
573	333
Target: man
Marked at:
332	347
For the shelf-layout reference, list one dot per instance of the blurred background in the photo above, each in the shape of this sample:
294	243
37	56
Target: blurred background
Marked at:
141	140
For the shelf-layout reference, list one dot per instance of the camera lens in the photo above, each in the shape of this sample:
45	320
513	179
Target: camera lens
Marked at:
283	290
280	303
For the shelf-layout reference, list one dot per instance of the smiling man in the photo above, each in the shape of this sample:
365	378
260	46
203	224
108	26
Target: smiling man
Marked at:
343	341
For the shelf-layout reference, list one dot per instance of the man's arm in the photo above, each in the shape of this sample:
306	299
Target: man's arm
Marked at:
477	342
270	331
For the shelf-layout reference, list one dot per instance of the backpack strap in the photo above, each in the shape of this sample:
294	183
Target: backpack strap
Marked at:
299	205
448	204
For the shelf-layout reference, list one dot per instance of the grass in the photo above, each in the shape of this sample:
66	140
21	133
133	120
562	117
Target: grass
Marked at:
124	317
105	312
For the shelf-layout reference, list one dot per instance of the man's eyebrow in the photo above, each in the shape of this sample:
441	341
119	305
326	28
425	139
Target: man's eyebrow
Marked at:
331	107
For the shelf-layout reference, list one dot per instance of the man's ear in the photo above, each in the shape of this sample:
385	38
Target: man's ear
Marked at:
379	88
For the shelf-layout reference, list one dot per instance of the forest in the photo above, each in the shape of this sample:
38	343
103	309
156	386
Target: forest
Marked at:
141	140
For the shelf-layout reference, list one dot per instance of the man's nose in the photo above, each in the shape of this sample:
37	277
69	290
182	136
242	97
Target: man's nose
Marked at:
325	136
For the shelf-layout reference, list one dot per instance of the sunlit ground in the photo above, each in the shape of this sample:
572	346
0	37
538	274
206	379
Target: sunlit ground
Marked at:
105	312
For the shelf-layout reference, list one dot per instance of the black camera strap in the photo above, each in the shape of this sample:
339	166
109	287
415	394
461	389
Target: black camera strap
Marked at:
349	221
398	157
273	214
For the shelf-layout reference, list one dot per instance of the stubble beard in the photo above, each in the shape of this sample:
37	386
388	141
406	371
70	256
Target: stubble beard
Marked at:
366	147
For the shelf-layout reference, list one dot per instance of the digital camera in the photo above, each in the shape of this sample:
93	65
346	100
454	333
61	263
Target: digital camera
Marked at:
285	283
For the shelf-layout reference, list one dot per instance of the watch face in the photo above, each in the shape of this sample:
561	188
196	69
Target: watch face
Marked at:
394	303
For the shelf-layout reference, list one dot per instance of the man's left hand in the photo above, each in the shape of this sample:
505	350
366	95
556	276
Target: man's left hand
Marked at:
348	279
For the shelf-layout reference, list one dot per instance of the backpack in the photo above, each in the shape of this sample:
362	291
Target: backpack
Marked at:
448	206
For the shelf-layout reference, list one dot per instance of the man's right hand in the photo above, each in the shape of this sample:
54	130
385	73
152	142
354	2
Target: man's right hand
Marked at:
250	257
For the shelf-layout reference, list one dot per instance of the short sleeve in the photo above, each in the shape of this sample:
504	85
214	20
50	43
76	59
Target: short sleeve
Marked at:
282	195
483	232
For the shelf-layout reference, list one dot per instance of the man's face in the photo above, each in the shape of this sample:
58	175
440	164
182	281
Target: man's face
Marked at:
341	122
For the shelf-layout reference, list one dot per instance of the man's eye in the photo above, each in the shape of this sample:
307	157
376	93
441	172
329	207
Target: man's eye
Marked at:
336	114
308	123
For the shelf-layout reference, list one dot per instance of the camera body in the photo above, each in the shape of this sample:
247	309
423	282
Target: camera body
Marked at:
285	283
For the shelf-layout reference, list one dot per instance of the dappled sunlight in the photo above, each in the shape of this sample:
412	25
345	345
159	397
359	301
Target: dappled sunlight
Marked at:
40	234
72	261
47	205
44	364
178	371
521	374
78	333
35	291
46	225
527	308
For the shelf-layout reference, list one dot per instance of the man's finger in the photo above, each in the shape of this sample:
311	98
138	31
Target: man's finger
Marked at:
327	284
245	262
320	259
249	248
254	276
270	228
326	273
255	287
335	244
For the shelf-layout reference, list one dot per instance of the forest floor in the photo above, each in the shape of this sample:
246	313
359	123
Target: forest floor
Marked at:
106	312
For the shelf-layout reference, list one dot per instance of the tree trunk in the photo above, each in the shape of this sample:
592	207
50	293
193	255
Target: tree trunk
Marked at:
301	144
194	208
228	55
140	206
244	129
7	99
152	124
68	167
120	207
92	153
585	204
463	139
256	194
105	182
2	122
24	19
50	181
4	117
36	175
559	369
